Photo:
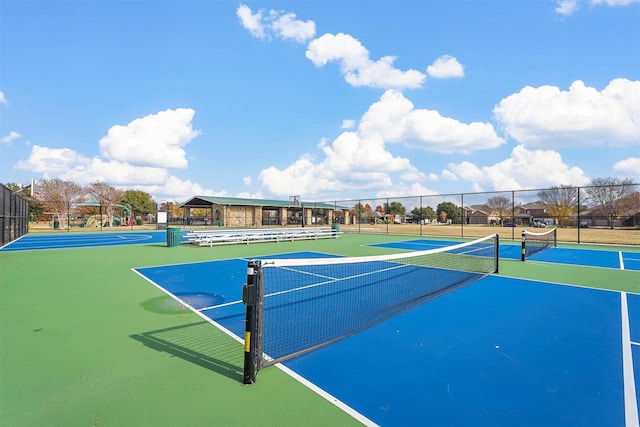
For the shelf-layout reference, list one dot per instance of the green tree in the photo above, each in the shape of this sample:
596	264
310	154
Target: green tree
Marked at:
447	211
361	212
16	188
172	209
424	213
141	202
395	208
358	209
36	208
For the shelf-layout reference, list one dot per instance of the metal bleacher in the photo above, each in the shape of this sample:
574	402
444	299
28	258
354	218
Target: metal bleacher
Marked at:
227	237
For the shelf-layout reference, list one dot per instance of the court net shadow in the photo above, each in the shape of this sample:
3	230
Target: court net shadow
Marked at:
199	343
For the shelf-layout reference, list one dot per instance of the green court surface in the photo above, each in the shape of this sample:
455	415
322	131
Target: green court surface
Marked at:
74	347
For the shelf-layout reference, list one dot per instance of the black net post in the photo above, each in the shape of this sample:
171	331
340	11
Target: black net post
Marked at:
251	331
524	249
496	254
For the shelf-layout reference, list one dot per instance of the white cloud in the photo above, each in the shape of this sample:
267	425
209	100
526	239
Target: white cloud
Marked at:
629	166
176	189
445	67
357	68
247	180
354	151
348	124
396	120
402	190
154	140
251	21
466	171
135	156
247	195
8	139
413	175
449	176
614	2
51	161
360	158
115	173
280	24
525	169
288	27
568	7
3	100
549	117
349	162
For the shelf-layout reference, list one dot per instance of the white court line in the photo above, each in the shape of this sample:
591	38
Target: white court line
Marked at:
621	260
630	402
346	408
211	307
188	306
319	391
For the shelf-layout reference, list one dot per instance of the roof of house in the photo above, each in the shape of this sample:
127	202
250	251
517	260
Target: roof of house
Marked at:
483	209
205	201
534	205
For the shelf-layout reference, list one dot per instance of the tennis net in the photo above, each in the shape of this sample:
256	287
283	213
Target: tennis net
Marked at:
533	243
294	306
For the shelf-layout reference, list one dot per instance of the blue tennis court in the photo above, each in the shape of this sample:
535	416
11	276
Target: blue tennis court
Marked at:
64	240
586	257
500	351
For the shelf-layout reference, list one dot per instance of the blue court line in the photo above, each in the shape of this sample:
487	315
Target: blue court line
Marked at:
500	351
79	240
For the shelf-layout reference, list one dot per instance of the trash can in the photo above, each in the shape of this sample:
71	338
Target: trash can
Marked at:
335	227
56	224
173	237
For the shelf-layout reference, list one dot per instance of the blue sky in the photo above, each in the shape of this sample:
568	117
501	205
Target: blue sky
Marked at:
329	100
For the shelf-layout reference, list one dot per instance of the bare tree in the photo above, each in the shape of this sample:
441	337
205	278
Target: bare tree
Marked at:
562	201
630	204
59	197
501	206
613	196
107	196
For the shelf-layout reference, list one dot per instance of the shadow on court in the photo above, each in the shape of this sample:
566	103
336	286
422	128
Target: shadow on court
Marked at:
196	343
468	357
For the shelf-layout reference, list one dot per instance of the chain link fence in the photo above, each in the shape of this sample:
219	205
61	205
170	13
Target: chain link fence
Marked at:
595	214
607	214
14	218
